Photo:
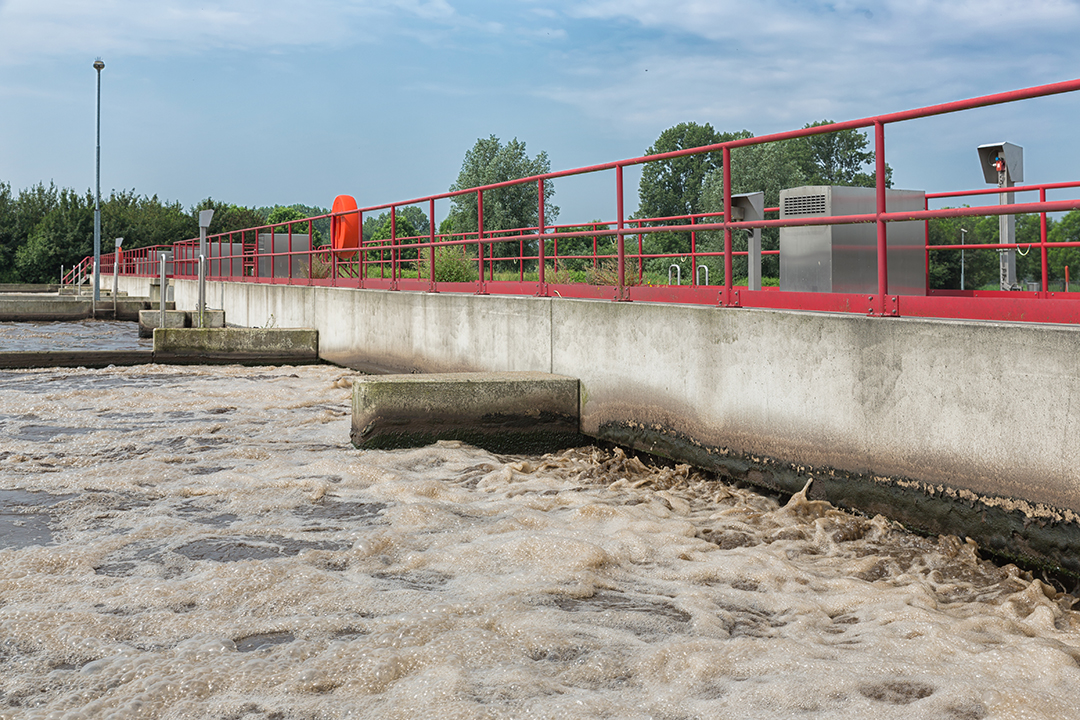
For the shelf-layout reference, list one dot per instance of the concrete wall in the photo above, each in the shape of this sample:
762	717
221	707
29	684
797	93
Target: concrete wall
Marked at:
881	412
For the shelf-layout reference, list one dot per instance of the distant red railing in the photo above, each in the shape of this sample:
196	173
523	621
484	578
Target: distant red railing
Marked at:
283	254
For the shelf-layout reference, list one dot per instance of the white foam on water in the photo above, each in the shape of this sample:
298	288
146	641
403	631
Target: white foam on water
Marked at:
218	550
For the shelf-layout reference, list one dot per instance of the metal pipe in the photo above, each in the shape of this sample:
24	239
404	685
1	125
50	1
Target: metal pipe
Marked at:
706	269
882	230
99	66
540	231
678	274
728	278
480	241
620	290
202	291
1045	266
202	270
163	285
431	244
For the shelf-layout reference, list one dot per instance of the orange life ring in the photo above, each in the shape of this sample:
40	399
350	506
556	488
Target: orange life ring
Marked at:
345	229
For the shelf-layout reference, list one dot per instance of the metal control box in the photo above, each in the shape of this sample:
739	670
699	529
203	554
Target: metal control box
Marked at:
843	258
283	246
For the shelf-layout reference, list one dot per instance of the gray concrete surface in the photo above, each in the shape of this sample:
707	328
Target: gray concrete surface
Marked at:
964	427
74	358
508	412
38	306
150	319
236	345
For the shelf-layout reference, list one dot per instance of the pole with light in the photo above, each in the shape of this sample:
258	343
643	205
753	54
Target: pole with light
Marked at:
99	66
205	216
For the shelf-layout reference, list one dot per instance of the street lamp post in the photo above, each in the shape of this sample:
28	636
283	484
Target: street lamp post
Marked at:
99	66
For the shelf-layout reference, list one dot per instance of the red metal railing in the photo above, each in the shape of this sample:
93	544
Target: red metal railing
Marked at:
283	253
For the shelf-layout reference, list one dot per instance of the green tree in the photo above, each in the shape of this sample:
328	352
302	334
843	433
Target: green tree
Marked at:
675	186
63	237
402	229
9	240
507	208
980	267
582	245
417	218
1065	230
143	221
837	158
227	217
767	168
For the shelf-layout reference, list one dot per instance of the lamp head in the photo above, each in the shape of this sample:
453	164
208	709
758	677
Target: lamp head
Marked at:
99	65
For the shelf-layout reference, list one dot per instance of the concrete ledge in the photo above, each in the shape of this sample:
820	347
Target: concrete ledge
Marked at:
28	288
30	308
507	412
74	358
150	319
245	346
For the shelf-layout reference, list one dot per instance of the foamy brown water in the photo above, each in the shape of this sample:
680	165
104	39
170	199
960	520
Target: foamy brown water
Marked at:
72	335
204	543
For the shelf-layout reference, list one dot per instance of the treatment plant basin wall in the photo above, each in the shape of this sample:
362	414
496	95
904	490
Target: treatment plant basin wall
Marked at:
950	426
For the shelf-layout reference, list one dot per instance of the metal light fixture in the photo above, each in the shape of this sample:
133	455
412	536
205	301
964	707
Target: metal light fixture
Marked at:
99	66
1003	165
205	216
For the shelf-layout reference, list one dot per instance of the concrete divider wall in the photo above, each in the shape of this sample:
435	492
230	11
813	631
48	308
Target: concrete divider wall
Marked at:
973	413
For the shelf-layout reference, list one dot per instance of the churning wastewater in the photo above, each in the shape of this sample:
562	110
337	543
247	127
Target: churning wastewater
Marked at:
203	542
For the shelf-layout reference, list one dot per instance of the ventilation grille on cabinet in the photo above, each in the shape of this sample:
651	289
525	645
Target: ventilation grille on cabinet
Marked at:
804	205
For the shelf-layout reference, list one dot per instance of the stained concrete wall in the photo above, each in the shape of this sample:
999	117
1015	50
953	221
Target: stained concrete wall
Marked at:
974	413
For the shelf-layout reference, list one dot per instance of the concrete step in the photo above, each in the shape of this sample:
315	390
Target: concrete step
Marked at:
506	412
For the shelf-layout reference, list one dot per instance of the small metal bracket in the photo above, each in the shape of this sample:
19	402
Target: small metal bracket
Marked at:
894	306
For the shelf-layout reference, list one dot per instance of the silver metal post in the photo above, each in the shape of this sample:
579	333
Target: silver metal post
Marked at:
163	286
99	66
1007	233
202	291
754	266
202	272
205	217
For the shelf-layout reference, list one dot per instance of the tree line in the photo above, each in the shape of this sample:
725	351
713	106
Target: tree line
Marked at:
44	227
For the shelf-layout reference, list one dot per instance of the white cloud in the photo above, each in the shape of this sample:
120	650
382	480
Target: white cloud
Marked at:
34	29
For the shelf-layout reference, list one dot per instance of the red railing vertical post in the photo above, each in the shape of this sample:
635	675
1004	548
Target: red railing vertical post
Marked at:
311	252
289	226
728	294
361	268
926	245
1042	246
541	290
640	253
882	230
693	253
431	245
594	260
393	248
480	288
620	290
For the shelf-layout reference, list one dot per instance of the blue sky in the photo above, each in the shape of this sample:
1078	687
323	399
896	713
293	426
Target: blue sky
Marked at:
262	102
